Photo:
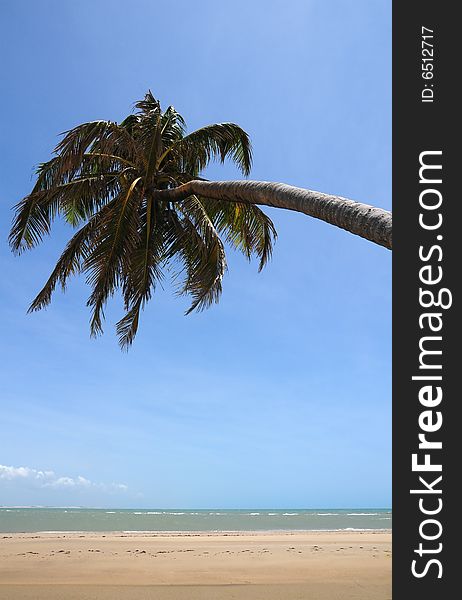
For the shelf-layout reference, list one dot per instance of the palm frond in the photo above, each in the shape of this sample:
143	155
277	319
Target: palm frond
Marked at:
155	147
245	226
117	236
81	198
32	222
149	104
203	256
127	327
219	141
98	137
69	263
173	126
142	269
76	194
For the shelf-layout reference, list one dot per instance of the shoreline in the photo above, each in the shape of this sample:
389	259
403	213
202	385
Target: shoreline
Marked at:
198	532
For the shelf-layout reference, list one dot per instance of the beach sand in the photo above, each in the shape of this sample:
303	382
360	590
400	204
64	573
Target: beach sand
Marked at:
189	566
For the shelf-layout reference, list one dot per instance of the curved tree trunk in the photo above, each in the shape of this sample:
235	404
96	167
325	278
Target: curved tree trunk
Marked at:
374	224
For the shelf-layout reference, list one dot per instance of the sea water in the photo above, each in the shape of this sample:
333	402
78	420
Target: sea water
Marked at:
33	519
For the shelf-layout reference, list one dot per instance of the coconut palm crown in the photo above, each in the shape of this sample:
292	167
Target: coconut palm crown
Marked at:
104	180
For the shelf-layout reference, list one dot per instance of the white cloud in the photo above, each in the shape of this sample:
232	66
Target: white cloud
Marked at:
48	479
70	482
10	473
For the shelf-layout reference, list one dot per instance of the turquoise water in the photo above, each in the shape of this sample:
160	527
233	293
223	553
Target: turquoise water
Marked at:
103	519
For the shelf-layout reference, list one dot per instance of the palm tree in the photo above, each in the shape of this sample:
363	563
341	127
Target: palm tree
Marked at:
134	191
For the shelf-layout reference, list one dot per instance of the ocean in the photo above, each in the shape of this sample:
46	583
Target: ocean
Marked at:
29	520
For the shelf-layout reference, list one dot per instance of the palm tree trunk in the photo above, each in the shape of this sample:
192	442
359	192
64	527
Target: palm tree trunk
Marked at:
374	224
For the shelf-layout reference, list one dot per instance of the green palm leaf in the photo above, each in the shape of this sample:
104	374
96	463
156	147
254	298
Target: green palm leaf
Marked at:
118	234
244	226
219	141
203	256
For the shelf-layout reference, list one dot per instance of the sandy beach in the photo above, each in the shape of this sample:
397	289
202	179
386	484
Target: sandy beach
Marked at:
189	566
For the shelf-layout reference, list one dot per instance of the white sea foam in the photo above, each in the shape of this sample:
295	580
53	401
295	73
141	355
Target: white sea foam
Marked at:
64	531
362	514
289	514
154	512
327	514
142	531
364	529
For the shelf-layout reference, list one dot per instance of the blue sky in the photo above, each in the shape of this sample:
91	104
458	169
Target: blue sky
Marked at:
280	396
